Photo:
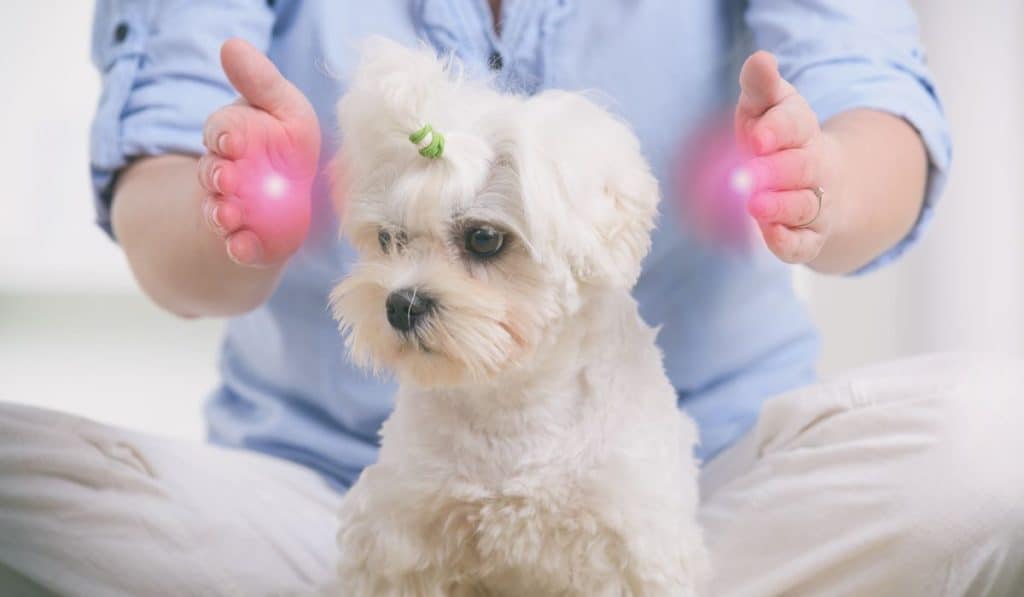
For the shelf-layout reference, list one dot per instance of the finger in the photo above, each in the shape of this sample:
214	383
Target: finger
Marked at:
786	125
223	216
799	245
761	85
225	131
256	78
209	210
790	208
245	248
790	169
217	175
229	216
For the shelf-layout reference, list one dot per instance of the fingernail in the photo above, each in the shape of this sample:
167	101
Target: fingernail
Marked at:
222	143
227	213
231	255
215	218
215	178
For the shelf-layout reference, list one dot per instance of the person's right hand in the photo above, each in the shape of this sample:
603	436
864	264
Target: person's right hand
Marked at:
261	161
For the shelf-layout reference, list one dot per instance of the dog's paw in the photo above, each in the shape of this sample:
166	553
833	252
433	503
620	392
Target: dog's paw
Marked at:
364	583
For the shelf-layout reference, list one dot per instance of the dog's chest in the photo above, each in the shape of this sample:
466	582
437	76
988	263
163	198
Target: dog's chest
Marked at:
519	509
521	537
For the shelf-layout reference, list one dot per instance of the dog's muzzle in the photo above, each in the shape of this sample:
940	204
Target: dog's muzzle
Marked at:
406	308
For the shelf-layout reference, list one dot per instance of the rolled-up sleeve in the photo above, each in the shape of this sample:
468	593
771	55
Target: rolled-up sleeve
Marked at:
161	77
843	55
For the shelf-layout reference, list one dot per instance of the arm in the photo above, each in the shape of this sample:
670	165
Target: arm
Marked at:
881	151
884	170
872	167
215	244
175	255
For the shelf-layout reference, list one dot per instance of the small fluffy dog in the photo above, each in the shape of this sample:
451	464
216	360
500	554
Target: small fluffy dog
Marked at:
535	447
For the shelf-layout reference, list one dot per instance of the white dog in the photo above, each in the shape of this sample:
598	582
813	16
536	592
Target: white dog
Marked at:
535	447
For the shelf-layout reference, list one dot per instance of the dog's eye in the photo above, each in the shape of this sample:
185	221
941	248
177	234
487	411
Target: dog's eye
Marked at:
484	241
391	240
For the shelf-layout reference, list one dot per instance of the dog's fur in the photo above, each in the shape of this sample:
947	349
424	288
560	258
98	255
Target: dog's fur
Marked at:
535	447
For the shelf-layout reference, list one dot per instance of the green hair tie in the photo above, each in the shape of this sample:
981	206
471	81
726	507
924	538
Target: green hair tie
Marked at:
435	148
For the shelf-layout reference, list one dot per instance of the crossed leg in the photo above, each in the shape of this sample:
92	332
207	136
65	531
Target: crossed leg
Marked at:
904	479
89	509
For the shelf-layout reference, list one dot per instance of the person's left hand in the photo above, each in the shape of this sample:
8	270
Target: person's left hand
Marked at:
792	160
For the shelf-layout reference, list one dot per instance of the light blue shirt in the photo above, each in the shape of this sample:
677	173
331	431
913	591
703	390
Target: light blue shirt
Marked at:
733	333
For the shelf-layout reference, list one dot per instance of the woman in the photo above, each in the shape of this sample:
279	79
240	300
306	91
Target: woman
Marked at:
836	489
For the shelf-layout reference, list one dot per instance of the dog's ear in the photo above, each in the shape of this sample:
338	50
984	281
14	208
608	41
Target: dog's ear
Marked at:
584	168
623	226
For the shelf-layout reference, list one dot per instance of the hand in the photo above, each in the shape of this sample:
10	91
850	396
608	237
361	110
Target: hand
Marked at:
793	157
261	161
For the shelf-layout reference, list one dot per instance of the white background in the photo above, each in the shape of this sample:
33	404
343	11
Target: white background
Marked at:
75	334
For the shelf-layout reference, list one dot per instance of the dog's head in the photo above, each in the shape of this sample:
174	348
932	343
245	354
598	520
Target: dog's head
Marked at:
471	259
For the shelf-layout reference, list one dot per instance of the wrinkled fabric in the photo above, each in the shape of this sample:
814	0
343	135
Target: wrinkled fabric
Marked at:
901	480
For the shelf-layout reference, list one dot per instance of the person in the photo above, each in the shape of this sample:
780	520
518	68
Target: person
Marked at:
897	480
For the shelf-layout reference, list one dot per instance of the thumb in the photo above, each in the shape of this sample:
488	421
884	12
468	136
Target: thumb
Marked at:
256	78
761	85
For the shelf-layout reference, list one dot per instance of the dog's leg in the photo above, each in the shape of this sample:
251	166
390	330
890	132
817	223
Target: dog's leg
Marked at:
366	583
381	552
666	571
381	563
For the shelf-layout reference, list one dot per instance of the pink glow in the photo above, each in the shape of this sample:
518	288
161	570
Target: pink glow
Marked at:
275	186
741	181
276	204
713	187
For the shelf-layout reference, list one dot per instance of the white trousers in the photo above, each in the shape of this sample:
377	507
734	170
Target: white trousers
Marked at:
902	480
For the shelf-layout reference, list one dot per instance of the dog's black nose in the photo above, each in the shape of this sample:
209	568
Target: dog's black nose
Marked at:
406	307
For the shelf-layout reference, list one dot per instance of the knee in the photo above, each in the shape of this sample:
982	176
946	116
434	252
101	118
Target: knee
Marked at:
965	492
970	530
43	446
967	508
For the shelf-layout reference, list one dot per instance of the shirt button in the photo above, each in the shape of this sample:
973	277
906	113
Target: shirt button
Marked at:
495	61
121	32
